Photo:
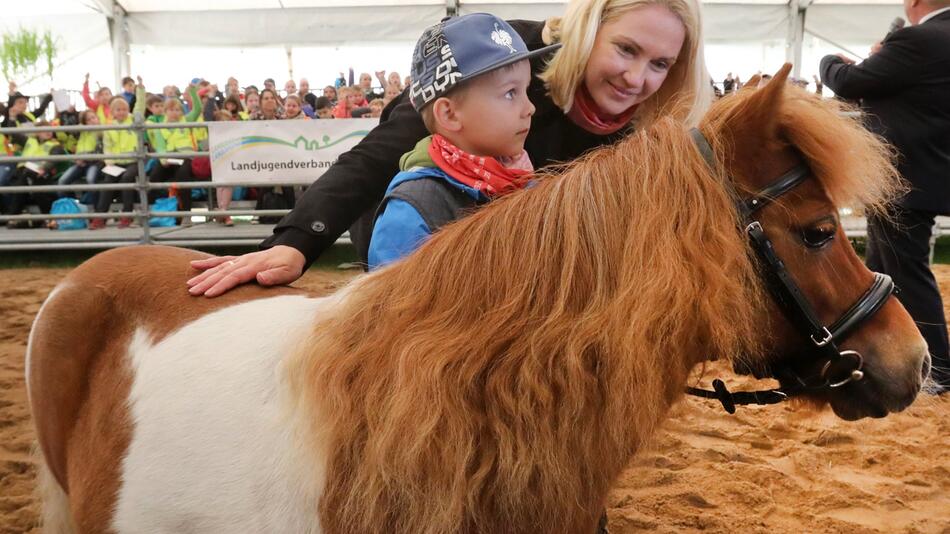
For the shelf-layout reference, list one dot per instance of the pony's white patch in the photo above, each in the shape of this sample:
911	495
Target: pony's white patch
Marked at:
215	446
29	341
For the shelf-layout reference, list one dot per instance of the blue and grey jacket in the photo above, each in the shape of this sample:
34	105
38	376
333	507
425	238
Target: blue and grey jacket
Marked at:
419	200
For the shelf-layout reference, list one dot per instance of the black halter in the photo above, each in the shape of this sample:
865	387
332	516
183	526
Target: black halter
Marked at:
840	367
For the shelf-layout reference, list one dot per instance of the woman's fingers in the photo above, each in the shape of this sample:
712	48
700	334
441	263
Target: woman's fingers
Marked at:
274	266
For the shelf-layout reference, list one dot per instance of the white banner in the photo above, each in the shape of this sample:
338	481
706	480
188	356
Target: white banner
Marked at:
291	151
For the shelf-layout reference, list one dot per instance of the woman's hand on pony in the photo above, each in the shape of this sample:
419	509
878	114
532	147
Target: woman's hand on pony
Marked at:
279	265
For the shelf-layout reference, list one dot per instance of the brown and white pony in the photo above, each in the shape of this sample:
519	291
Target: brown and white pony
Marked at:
497	380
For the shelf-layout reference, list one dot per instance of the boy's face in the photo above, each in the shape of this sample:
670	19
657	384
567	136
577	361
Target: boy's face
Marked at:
129	87
120	109
156	108
44	136
325	113
495	113
18	107
173	113
291	107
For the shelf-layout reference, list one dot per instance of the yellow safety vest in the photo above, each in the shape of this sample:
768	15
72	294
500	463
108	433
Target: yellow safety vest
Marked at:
119	142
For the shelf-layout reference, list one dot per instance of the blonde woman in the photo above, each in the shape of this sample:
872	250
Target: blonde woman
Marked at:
622	62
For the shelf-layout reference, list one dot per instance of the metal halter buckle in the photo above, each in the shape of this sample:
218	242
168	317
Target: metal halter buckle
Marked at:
822	342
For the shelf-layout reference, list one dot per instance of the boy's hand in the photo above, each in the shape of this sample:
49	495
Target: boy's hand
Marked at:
12	87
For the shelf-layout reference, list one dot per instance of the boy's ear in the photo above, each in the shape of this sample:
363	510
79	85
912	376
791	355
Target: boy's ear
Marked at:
445	116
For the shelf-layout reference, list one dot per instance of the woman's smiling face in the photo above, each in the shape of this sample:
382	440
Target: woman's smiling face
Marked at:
632	56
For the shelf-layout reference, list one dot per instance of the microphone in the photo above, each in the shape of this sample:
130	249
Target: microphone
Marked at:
896	24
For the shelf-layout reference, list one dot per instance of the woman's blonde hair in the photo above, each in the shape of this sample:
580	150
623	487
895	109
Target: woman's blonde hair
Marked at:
685	94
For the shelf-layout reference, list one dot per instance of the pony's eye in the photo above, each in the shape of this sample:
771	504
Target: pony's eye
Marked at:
819	235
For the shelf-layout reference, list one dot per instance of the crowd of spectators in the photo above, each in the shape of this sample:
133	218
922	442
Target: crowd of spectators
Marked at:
200	101
732	83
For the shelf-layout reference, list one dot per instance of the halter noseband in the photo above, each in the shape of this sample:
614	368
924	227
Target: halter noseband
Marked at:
840	367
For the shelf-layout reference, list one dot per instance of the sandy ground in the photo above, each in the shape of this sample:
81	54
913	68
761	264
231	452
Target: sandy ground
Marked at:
765	469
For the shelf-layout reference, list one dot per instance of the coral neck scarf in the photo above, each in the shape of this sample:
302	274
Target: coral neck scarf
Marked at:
485	174
588	115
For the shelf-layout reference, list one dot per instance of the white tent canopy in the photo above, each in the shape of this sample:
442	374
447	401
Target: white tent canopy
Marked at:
115	29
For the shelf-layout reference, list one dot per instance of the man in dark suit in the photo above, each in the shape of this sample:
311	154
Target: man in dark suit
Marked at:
904	88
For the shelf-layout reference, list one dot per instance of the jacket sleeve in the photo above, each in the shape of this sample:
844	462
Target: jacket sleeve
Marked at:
353	185
87	98
899	64
196	108
44	103
398	231
139	108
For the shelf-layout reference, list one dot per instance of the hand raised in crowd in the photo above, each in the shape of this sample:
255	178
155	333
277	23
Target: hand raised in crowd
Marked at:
138	81
279	265
876	47
12	87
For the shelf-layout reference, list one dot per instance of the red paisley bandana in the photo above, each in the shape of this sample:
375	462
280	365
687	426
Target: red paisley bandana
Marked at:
588	115
482	173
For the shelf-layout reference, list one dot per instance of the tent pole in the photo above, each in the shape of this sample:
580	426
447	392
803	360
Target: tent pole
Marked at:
120	46
290	60
119	38
796	34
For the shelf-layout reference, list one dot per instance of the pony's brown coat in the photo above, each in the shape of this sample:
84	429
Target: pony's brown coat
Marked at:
79	376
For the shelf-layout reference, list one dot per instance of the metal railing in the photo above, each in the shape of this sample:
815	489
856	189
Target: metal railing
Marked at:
143	212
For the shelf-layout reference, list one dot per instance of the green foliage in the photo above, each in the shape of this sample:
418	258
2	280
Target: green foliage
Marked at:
25	51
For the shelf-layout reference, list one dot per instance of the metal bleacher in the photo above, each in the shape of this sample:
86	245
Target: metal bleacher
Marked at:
203	233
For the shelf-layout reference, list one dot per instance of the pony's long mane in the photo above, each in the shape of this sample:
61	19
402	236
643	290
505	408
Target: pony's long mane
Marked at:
498	379
523	351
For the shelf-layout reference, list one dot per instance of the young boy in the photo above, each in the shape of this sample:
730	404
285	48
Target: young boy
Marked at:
470	77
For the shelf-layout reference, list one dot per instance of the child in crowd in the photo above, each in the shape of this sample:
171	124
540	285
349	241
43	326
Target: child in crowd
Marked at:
330	93
173	140
292	108
323	108
128	91
40	173
88	143
470	79
375	109
252	105
392	91
119	170
101	104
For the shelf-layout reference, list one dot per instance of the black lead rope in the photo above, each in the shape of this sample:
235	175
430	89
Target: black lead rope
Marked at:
730	399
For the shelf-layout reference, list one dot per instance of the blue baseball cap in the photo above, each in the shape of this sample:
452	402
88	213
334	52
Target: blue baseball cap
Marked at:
461	48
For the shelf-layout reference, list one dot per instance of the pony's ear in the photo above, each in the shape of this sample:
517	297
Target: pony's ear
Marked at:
752	82
761	113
